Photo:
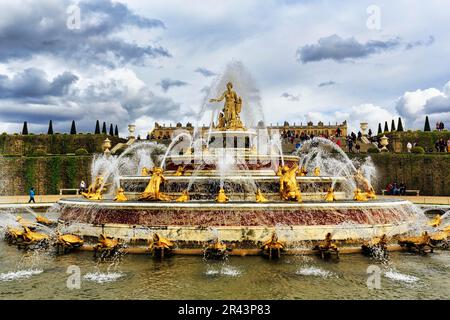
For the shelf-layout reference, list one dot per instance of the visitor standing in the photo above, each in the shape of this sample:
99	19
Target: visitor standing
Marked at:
448	145
82	186
409	147
31	193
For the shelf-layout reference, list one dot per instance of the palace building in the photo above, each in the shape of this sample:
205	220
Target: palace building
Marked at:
166	131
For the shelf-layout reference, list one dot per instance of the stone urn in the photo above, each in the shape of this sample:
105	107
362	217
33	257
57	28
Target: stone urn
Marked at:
364	126
106	145
131	129
384	141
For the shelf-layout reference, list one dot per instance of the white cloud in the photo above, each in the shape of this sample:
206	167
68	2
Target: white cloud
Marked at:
414	106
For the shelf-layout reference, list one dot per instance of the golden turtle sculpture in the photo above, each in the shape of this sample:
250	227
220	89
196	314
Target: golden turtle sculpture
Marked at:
33	240
327	247
272	248
421	244
67	242
45	221
14	235
215	249
106	247
376	247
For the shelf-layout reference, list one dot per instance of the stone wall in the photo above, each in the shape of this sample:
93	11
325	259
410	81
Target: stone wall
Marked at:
429	173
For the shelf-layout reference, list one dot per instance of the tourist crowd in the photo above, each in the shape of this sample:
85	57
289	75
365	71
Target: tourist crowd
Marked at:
439	126
393	188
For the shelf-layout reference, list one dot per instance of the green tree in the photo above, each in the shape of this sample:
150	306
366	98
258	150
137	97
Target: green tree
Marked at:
73	129
104	128
50	127
427	125
379	129
25	128
386	128
111	130
97	127
116	132
400	125
393	125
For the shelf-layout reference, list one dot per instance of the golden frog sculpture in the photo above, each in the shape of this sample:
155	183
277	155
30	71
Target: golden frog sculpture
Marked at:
222	197
435	222
152	191
160	245
316	171
330	197
120	196
273	247
289	190
260	197
359	195
96	189
145	171
180	171
184	197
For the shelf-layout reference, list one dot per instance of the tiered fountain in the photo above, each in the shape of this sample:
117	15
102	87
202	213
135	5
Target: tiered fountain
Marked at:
232	183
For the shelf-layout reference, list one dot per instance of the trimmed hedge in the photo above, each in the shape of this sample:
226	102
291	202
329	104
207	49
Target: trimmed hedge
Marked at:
27	145
417	150
81	152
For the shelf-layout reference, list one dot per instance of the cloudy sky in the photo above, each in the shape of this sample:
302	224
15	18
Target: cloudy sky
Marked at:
145	61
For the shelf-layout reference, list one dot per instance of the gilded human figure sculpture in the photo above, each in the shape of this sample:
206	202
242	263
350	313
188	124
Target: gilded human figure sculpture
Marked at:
95	189
362	182
289	189
229	118
152	191
260	197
